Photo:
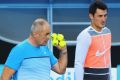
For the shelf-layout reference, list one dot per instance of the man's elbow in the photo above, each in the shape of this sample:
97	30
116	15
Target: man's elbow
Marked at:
62	71
3	78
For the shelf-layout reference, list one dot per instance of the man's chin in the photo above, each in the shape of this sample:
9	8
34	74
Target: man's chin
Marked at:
103	25
43	43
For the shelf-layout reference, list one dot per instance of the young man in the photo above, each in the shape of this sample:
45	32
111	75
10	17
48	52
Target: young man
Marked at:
32	59
92	59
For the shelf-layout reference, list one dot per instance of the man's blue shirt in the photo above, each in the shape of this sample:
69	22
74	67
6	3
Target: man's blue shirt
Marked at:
30	62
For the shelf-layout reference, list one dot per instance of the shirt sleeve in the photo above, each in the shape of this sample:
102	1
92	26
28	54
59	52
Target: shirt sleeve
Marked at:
83	43
14	59
53	59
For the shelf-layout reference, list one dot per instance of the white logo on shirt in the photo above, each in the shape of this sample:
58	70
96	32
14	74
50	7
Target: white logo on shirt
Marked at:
98	53
44	52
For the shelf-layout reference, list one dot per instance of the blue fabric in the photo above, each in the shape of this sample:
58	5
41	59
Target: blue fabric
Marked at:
31	63
1	69
118	72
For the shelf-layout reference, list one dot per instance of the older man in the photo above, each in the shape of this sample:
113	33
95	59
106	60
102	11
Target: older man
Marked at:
31	59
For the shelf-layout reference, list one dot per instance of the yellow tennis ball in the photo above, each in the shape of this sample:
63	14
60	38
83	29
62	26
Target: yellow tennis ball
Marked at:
62	43
54	36
60	37
54	42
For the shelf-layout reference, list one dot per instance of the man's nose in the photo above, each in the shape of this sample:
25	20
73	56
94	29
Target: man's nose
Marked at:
104	18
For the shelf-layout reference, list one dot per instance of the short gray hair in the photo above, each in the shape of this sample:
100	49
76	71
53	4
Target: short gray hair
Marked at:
38	25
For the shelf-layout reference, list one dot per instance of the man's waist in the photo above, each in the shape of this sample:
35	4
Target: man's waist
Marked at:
96	71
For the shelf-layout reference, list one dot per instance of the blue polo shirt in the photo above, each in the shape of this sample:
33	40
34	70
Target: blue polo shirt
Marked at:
30	62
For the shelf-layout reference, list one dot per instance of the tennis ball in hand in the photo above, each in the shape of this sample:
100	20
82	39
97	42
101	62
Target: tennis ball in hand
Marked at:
54	36
54	42
62	43
60	37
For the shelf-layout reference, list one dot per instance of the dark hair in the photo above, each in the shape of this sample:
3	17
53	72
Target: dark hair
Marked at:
97	4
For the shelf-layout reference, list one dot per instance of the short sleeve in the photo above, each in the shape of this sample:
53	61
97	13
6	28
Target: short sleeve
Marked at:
53	59
14	59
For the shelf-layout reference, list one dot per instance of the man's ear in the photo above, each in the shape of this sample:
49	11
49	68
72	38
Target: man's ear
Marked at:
35	34
91	16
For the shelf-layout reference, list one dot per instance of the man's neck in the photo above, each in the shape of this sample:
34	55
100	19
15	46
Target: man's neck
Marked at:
32	41
98	29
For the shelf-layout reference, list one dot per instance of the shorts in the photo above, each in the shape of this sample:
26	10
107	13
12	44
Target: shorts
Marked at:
96	74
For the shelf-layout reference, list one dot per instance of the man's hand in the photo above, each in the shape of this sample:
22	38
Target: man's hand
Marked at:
59	42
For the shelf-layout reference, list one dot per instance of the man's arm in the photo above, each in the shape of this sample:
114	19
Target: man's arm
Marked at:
7	73
60	66
83	42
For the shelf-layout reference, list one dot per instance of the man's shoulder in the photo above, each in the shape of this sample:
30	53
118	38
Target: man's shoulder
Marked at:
85	31
105	29
20	45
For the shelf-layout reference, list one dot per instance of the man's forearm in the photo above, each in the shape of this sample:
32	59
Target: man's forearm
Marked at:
4	78
63	59
7	73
